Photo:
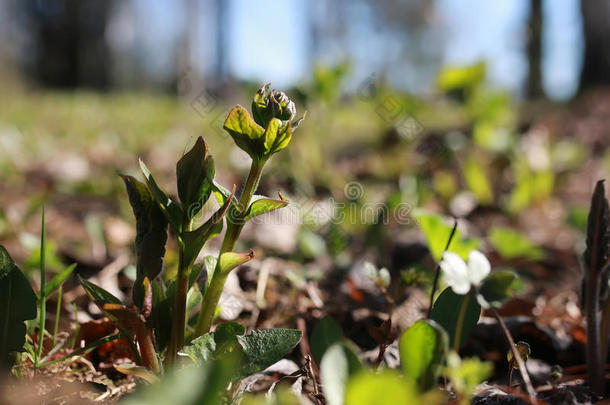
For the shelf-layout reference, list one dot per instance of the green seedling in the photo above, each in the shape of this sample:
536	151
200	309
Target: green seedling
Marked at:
491	289
465	375
524	350
162	301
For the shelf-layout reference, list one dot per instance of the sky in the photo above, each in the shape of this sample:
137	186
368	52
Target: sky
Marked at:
268	40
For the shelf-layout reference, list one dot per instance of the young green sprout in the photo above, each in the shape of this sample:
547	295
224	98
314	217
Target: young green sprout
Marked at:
524	350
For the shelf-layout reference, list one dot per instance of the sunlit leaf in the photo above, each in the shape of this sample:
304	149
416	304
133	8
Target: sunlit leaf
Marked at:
422	350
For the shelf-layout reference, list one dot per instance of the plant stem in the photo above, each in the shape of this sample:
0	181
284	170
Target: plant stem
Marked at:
437	270
516	356
43	298
179	310
235	223
57	314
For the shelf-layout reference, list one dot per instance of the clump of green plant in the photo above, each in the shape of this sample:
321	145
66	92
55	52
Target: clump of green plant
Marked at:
595	284
163	300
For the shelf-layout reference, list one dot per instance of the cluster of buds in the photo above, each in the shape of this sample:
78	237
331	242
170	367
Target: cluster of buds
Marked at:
269	129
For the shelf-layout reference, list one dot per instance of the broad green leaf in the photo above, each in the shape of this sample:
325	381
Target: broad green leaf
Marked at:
195	240
467	374
326	333
191	385
422	349
511	244
230	260
457	77
477	181
222	194
263	348
337	365
195	173
387	387
98	294
151	234
57	281
497	287
449	308
271	133
246	133
437	231
213	345
172	211
17	304
263	205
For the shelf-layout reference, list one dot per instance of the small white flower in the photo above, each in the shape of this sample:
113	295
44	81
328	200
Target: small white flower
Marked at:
461	276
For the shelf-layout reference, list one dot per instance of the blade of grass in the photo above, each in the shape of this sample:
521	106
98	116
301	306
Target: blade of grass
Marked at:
57	281
43	298
76	327
57	314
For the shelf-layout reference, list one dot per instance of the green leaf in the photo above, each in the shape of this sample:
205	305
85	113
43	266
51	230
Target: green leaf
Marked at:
172	211
230	260
497	287
151	234
210	267
263	348
214	345
57	281
271	133
511	244
450	307
246	133
195	174
422	349
189	385
467	374
161	315
194	240
326	333
437	232
263	205
458	77
17	304
387	387
98	294
476	178
338	364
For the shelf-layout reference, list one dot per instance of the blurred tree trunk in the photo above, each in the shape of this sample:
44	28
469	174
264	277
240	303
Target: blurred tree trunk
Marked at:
70	42
596	32
221	40
535	23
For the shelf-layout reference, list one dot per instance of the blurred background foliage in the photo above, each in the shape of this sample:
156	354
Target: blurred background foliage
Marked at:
495	112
